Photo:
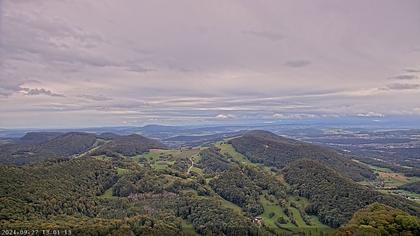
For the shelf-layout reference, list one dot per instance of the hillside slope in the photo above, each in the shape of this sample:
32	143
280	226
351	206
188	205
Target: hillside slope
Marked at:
37	147
412	187
272	150
38	137
67	144
334	197
129	145
378	219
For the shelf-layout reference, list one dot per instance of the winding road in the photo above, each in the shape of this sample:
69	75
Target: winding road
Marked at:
192	165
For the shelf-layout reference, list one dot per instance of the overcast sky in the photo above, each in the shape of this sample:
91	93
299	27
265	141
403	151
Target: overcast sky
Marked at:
78	63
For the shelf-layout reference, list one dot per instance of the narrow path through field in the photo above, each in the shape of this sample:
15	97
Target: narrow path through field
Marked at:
192	165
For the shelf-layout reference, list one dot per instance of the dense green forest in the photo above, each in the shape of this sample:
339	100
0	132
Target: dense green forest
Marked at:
213	161
129	145
72	191
120	185
412	187
36	147
335	198
378	219
272	150
54	188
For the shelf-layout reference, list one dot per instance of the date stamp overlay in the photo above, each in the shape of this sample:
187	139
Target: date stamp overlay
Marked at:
17	232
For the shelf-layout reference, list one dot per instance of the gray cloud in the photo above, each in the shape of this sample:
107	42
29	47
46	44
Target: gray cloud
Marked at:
40	91
398	86
56	43
405	77
413	70
7	89
10	85
297	63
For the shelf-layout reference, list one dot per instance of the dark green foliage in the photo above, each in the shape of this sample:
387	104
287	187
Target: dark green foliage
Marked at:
94	195
275	151
210	218
213	161
129	145
38	137
63	195
147	181
182	164
18	154
412	187
378	219
281	220
241	185
123	195
137	225
335	198
65	187
108	136
50	146
266	181
68	144
123	187
235	186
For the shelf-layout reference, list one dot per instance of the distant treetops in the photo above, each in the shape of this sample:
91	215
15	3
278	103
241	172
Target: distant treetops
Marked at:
379	219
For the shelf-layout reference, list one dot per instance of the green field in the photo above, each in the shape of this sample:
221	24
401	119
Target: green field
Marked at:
107	194
272	212
103	158
226	148
389	181
122	171
188	228
231	205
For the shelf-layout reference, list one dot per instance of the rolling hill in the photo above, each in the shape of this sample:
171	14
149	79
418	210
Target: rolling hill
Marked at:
112	184
412	187
378	219
335	198
272	150
36	147
129	145
38	137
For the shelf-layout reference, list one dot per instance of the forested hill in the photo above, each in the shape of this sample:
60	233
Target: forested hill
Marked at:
412	187
36	147
103	195
38	137
378	219
129	145
40	146
273	150
110	184
334	197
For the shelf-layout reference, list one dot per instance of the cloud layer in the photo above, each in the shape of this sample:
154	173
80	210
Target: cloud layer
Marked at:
91	63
